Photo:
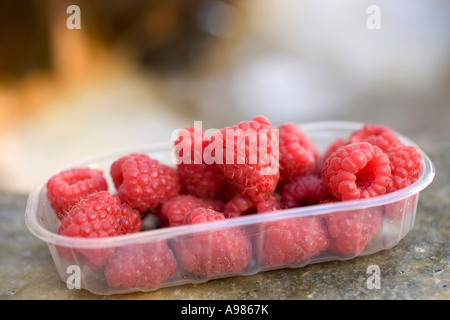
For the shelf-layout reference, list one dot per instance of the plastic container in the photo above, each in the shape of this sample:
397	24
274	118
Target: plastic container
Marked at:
175	247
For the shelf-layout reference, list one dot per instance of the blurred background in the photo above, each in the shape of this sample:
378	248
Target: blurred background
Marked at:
137	70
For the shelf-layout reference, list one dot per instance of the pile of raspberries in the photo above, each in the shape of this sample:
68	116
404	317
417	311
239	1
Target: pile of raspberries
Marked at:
370	162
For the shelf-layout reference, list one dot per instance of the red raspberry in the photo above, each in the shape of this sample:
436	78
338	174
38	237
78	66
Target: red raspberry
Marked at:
228	192
383	137
357	170
96	216
298	155
328	152
202	215
141	266
241	205
201	180
143	182
292	240
405	164
251	161
334	146
130	219
304	191
176	209
351	231
211	253
269	204
68	187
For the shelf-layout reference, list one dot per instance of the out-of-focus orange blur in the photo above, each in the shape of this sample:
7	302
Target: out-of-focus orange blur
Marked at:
137	70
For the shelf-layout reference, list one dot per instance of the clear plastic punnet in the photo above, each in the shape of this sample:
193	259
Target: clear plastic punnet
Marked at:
172	256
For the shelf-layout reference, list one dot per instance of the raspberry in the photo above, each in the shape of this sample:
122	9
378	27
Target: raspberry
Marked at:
143	182
351	231
304	191
250	157
357	170
96	216
228	192
176	209
262	120
298	155
269	204
292	240
141	266
212	253
241	205
130	219
328	152
333	147
201	180
68	187
202	215
405	164
383	137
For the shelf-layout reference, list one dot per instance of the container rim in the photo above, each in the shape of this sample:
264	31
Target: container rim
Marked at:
32	223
